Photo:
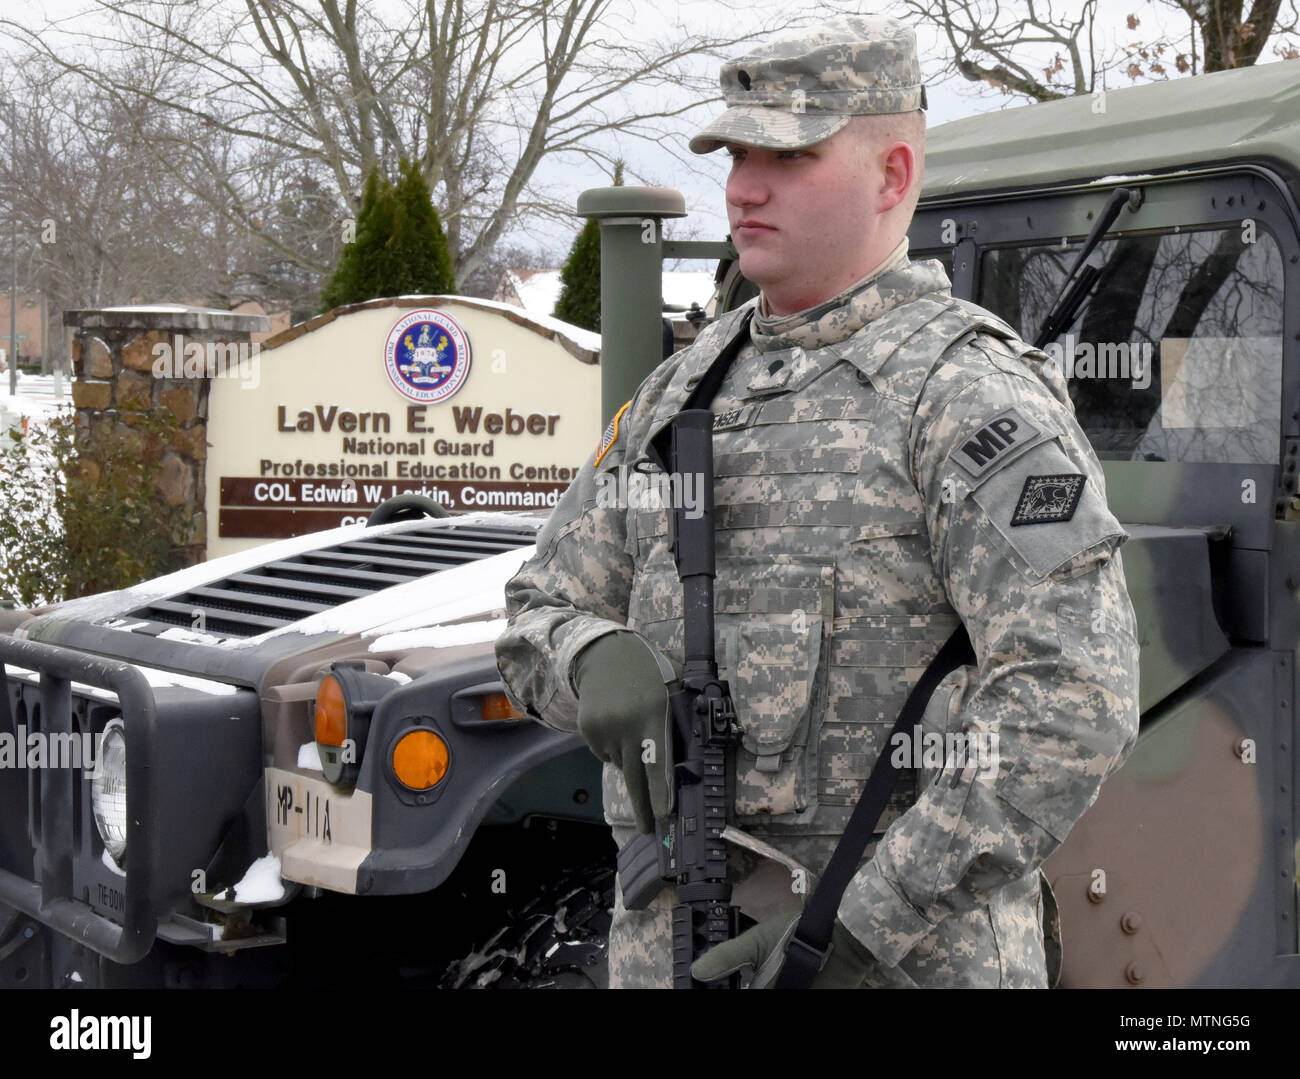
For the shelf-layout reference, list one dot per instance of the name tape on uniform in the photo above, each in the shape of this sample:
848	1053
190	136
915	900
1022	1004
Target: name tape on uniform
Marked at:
733	418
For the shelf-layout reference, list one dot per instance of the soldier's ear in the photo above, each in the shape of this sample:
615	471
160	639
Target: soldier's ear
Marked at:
899	166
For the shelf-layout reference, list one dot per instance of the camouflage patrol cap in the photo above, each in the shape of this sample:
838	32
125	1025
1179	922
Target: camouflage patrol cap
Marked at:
802	88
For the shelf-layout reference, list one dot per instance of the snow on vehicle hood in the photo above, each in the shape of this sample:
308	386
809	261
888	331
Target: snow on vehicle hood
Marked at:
158	679
440	636
475	590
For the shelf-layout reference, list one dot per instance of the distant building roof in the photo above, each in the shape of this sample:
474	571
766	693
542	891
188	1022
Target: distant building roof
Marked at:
537	291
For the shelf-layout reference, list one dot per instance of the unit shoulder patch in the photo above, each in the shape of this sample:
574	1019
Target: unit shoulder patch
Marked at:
1048	499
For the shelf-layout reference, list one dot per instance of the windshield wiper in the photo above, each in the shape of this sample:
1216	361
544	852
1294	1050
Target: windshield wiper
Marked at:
1083	275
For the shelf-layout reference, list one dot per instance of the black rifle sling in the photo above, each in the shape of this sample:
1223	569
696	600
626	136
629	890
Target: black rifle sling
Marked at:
707	388
810	945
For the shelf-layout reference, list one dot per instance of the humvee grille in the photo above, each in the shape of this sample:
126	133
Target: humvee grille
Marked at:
279	593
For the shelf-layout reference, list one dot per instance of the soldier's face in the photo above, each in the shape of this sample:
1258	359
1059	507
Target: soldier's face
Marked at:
805	222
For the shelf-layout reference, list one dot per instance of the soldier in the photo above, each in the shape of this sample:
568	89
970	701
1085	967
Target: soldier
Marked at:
888	461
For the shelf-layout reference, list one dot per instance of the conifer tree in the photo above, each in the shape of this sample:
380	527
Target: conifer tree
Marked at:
418	247
399	248
579	302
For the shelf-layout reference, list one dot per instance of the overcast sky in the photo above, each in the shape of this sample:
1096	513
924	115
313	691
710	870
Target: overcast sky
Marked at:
700	178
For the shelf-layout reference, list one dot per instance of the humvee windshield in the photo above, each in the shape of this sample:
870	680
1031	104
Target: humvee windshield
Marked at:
1177	355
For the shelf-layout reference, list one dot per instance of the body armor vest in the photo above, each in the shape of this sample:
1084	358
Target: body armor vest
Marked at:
828	605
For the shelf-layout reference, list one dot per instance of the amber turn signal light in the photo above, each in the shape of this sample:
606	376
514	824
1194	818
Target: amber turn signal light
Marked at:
498	706
345	703
420	759
331	713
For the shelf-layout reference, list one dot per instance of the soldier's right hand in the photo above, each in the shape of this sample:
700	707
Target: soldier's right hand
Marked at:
623	715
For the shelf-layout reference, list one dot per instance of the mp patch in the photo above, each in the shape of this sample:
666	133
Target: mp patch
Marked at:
1048	499
996	442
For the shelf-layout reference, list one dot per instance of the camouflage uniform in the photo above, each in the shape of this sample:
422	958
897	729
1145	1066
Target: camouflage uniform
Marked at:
885	463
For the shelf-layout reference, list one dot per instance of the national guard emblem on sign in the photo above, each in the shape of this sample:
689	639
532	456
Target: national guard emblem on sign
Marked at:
1048	499
427	356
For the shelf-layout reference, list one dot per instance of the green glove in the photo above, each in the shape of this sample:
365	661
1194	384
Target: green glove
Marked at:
762	950
623	715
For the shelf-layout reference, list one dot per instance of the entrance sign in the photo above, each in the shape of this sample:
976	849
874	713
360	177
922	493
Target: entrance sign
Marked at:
469	402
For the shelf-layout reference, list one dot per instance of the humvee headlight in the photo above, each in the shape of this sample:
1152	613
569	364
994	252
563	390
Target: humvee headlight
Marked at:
345	703
420	759
108	790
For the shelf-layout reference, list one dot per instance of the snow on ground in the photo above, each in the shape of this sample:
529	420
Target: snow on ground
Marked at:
37	397
36	403
538	290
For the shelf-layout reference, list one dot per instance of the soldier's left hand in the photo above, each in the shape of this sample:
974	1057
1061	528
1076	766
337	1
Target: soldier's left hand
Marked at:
623	717
762	950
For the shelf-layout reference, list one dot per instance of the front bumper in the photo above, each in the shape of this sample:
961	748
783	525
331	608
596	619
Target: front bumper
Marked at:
192	759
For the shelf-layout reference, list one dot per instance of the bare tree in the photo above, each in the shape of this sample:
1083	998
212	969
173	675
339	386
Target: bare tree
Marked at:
102	214
1034	50
480	92
999	46
1230	39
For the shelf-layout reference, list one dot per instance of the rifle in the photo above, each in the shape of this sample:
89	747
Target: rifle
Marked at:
688	848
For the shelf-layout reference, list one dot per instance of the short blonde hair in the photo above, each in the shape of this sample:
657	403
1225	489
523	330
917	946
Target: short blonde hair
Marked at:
877	131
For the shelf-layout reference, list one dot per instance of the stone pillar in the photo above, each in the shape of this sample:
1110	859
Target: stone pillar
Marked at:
148	368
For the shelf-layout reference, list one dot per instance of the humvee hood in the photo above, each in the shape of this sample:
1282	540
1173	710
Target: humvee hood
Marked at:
439	594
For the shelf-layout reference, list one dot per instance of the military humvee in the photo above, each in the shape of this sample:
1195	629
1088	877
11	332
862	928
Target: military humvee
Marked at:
1181	337
341	710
